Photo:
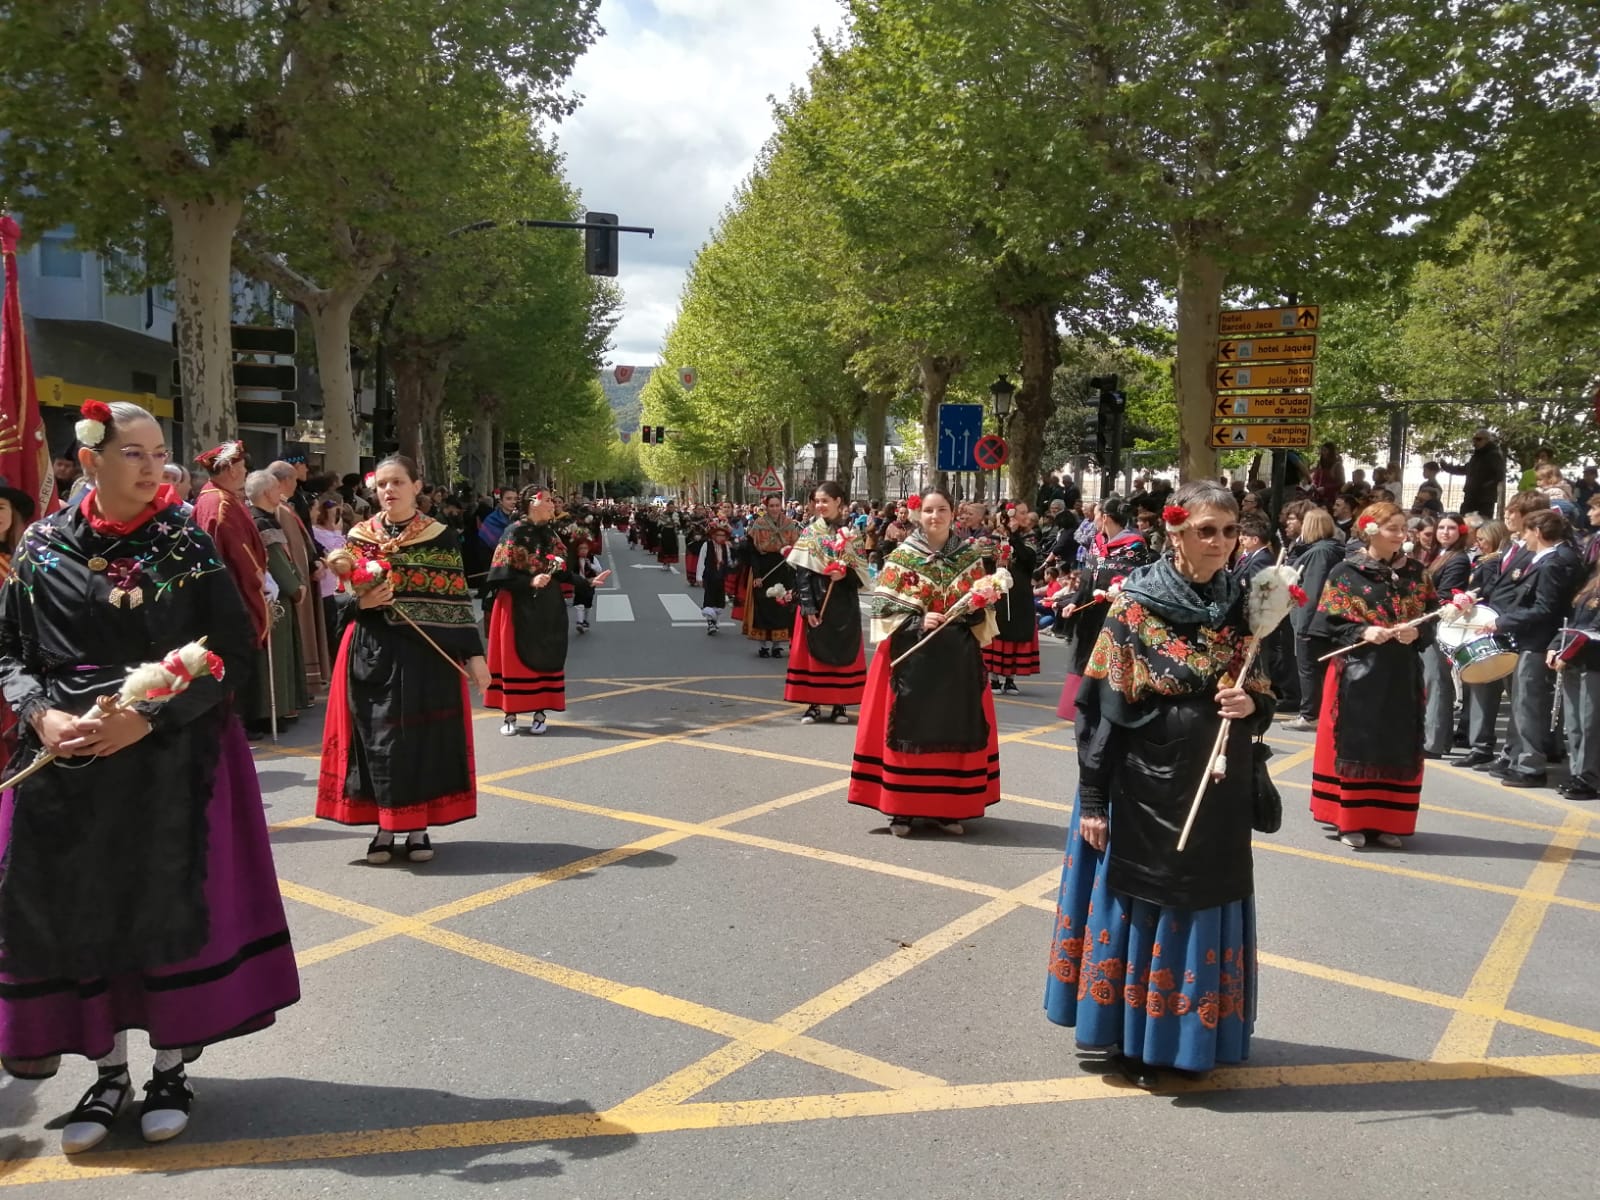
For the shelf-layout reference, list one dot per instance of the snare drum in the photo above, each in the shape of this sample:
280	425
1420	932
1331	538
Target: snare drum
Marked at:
1478	657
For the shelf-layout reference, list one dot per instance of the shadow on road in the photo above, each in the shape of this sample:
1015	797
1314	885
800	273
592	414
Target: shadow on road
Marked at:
1464	845
513	858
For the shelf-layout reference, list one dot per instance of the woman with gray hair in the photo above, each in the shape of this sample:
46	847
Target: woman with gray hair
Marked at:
181	480
280	690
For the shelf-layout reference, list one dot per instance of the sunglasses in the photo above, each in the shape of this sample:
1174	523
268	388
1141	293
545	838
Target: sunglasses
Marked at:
1209	533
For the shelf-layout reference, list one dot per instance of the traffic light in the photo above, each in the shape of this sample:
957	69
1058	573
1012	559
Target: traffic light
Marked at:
661	435
600	245
646	434
1111	406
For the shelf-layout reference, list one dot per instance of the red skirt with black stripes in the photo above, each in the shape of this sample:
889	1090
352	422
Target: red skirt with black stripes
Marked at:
1012	658
809	680
515	687
1357	805
945	786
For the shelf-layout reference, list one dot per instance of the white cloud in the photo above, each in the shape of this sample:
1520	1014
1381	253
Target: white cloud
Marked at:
675	109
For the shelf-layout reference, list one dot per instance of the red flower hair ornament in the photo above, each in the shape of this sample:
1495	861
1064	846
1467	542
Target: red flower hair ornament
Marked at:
91	429
914	503
1174	515
1366	523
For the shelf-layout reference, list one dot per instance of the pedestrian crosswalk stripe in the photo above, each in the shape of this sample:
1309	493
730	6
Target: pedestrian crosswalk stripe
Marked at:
681	607
614	608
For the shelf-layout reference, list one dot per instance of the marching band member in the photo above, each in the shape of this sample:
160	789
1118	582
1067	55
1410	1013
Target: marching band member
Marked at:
927	745
1367	772
1154	952
138	890
1574	655
1450	571
828	663
397	747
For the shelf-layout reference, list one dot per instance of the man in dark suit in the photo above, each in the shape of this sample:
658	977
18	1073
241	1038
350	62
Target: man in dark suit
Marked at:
1532	606
1485	472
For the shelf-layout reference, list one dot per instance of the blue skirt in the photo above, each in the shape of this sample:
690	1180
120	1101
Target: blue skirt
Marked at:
1173	987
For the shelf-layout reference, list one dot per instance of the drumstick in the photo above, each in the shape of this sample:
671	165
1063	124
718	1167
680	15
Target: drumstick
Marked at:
1423	620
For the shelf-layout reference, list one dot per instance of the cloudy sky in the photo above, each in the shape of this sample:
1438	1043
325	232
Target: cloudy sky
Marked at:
675	109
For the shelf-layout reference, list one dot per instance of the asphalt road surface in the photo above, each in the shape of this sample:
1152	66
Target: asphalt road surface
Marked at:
668	960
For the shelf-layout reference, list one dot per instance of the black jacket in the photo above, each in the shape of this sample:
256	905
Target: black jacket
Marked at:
1534	597
1315	561
1485	472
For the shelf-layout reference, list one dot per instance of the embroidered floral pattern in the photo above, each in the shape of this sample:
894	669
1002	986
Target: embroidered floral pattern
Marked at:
1139	655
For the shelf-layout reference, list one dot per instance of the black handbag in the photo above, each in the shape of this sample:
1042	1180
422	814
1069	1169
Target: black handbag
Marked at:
1266	815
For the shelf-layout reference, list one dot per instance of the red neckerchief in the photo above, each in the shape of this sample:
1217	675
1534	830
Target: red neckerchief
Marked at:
166	497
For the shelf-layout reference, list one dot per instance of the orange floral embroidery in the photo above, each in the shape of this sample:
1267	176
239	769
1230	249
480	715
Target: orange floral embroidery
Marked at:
1073	948
1102	991
1208	1010
1133	994
1162	979
1229	1006
1105	937
1113	969
1155	1004
1155	951
1180	1004
1211	958
1083	985
1064	969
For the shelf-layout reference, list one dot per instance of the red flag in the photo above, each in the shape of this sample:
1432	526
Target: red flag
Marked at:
24	457
623	374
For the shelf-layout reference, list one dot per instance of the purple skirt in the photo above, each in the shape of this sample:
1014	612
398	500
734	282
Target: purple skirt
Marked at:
235	985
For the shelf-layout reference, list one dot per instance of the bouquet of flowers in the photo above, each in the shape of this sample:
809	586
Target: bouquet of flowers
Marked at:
984	592
148	683
365	572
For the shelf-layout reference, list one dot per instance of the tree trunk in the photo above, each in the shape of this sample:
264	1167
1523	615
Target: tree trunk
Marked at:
788	457
1035	398
341	419
844	434
202	258
479	446
877	434
1200	280
408	414
435	469
937	370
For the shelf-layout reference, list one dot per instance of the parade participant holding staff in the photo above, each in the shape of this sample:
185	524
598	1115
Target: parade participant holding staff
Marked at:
528	619
1367	773
1154	950
767	618
138	890
1081	618
281	690
828	664
1015	649
927	745
397	748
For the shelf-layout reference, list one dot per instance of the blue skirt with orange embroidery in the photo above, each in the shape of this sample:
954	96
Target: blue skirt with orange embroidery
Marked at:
1172	987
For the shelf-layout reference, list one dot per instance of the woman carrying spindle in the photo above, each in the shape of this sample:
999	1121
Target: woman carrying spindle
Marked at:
828	663
397	748
1153	956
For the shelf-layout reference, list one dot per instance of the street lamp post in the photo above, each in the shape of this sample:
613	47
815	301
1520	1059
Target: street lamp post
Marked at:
1001	391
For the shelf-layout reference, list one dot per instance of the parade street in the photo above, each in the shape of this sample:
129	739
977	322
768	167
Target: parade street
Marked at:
668	959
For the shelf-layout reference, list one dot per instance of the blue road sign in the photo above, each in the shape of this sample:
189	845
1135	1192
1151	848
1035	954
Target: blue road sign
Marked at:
960	427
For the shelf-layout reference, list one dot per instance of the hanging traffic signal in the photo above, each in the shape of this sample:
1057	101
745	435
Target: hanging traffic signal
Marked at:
645	433
600	245
661	435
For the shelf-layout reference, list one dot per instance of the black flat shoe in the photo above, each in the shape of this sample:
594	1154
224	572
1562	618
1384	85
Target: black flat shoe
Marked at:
1475	759
90	1122
1141	1074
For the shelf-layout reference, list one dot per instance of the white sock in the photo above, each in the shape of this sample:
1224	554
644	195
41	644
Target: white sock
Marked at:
167	1059
385	837
119	1053
581	610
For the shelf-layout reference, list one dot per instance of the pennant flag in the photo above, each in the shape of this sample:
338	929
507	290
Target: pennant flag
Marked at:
688	376
622	374
24	457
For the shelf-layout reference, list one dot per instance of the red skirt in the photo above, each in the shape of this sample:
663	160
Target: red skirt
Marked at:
1067	705
736	592
811	681
1012	658
515	687
693	566
946	787
1357	805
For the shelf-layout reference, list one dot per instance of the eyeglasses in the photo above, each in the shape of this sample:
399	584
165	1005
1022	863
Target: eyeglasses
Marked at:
1209	533
137	458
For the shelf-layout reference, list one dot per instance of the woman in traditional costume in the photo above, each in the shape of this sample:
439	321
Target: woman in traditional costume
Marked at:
926	745
1154	955
1124	551
16	510
138	890
1367	772
306	556
1451	571
281	691
1015	650
767	618
528	619
829	663
397	750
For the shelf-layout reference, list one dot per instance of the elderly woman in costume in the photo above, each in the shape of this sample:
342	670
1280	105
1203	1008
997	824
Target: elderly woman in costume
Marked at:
138	890
828	664
397	748
528	618
767	617
1154	951
1367	774
281	690
306	555
927	745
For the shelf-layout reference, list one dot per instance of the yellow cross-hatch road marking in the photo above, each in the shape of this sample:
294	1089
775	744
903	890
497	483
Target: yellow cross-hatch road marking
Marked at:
179	1157
1469	1034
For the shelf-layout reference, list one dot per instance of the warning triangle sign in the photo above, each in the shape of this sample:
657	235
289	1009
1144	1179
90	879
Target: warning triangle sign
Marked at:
770	481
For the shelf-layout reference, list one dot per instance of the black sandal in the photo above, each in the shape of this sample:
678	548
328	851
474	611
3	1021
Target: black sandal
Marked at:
90	1120
167	1100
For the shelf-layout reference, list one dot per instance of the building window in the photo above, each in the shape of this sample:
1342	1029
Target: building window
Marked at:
58	260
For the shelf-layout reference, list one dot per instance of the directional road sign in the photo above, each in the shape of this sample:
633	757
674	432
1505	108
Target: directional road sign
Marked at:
1233	408
960	427
1297	318
991	452
1272	349
1271	375
1279	437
